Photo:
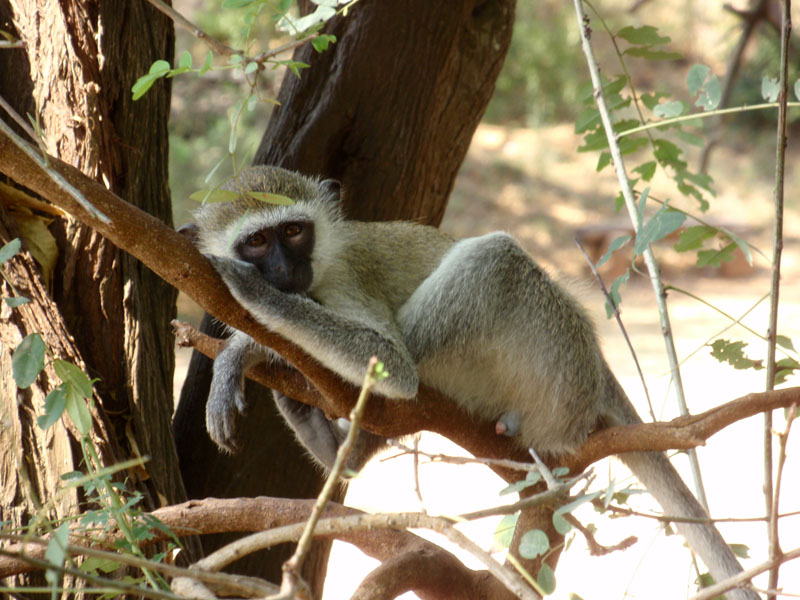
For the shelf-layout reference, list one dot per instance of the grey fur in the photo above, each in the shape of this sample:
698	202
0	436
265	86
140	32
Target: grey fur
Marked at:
475	318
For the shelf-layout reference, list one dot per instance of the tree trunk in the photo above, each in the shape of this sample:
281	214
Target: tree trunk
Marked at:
82	57
389	110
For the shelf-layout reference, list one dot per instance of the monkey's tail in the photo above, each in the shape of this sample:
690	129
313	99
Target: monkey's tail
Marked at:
661	479
657	474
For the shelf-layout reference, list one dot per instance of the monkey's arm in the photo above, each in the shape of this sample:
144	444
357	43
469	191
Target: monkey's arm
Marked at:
226	399
342	344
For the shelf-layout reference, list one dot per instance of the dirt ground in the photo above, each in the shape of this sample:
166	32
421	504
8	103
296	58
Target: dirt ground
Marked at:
534	185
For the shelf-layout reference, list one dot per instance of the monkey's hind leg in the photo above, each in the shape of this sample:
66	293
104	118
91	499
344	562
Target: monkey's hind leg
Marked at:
322	437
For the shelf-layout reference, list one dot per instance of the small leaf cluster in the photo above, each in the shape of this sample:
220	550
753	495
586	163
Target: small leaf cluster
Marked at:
535	543
732	352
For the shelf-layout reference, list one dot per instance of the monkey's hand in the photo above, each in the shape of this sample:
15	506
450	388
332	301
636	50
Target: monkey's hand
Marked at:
243	279
226	401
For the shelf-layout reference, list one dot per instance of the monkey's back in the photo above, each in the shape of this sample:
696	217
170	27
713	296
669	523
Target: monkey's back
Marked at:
489	328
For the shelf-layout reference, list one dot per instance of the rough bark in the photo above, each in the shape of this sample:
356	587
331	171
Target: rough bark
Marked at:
389	111
80	60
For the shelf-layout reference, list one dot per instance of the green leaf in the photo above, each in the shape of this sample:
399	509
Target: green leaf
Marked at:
236	3
532	478
710	96
668	154
159	68
270	198
185	61
546	579
647	170
664	222
705	580
322	42
714	258
595	140
629	145
733	354
615	245
797	89
295	65
770	88
613	291
696	77
619	201
10	249
740	550
54	405
533	543
667	110
505	530
603	160
741	244
690	138
78	411
693	237
784	342
560	524
251	67
16	302
74	376
579	501
651	100
650	54
144	83
207	64
56	553
589	118
93	564
647	35
28	360
785	367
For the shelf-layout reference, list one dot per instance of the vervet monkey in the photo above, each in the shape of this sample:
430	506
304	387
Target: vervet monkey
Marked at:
475	318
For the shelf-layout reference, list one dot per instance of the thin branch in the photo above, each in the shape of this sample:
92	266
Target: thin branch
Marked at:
649	258
717	589
179	19
595	547
621	510
266	539
751	17
772	327
461	460
702	115
618	318
291	568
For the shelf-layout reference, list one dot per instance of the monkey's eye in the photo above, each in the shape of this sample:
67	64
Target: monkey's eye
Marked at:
254	240
292	229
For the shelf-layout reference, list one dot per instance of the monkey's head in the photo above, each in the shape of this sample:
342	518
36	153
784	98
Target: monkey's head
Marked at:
285	242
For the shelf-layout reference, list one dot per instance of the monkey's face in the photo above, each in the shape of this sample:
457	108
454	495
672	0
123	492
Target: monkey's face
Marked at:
282	254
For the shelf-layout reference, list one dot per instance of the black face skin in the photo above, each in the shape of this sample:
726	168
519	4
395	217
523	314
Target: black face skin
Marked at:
283	254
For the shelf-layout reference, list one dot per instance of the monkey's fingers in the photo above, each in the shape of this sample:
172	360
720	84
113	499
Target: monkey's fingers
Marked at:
221	427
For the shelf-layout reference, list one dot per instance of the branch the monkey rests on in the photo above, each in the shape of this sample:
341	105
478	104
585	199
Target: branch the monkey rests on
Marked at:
475	318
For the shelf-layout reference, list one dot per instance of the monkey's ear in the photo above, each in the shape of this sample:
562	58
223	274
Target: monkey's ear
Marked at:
331	188
190	231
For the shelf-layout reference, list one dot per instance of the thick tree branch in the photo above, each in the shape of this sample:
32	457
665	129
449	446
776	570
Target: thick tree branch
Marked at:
398	418
213	515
